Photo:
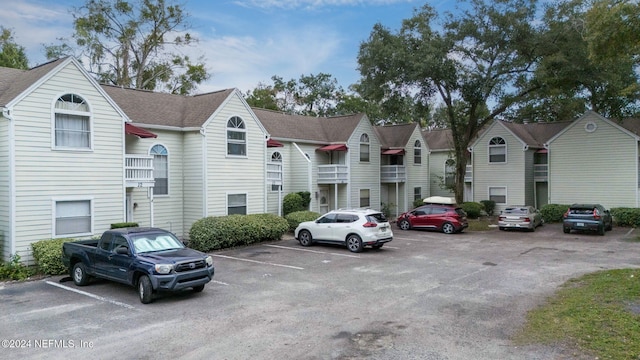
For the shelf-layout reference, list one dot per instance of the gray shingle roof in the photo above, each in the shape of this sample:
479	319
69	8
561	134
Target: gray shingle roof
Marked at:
147	107
439	139
336	129
14	81
395	136
536	134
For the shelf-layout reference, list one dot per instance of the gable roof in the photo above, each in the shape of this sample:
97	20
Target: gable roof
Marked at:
395	136
438	139
627	126
152	108
535	135
14	82
308	128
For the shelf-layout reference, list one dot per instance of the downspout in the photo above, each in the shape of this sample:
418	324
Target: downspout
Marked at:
205	196
8	114
546	146
309	169
473	161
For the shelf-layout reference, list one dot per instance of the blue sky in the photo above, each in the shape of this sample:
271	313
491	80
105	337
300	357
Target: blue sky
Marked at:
245	42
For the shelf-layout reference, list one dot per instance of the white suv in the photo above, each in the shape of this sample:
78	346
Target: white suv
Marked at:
355	228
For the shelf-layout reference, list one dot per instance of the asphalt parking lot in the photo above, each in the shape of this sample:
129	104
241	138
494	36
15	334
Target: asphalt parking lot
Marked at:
425	295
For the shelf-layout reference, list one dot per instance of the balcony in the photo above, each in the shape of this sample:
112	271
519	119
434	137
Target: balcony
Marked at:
138	171
333	174
274	173
468	175
540	172
393	173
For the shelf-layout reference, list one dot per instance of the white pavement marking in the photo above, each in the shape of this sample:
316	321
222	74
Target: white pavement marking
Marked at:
219	282
91	295
313	251
259	262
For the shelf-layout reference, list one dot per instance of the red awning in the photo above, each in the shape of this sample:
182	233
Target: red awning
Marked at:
333	147
393	152
542	151
274	143
139	132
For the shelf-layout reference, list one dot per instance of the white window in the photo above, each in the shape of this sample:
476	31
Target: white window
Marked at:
236	137
450	172
72	123
497	150
160	169
275	170
237	204
364	148
417	152
498	194
365	200
72	217
417	193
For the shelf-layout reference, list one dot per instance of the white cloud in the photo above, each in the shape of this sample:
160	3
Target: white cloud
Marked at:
312	4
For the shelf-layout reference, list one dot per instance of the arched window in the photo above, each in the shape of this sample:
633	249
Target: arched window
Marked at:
450	172
236	137
72	122
275	171
160	169
364	148
497	150
276	157
417	152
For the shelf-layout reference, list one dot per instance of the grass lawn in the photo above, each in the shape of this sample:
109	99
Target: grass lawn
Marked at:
598	314
482	224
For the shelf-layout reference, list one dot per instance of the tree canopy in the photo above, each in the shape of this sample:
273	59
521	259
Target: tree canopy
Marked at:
134	44
12	55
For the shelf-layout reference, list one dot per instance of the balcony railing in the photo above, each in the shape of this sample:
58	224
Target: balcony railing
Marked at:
274	173
138	170
540	172
333	174
468	175
393	173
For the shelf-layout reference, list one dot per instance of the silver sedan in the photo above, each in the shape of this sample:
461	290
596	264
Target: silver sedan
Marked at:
520	217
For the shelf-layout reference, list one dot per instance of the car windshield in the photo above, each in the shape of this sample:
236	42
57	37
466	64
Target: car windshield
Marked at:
517	211
377	217
155	242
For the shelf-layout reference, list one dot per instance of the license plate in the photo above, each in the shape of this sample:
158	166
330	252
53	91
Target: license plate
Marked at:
579	224
384	228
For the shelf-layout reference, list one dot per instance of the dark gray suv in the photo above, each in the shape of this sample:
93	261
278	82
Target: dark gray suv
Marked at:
587	217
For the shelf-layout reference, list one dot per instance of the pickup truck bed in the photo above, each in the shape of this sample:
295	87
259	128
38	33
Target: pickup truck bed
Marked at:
151	259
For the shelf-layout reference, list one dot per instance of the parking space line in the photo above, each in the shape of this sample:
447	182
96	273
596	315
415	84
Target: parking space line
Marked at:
259	262
313	251
219	282
90	295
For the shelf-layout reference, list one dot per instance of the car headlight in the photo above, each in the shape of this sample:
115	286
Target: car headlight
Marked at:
164	268
209	261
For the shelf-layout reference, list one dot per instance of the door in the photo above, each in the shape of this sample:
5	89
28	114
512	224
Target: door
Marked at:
323	230
118	267
129	206
323	200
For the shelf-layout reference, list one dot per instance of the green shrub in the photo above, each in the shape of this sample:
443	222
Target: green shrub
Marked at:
306	199
626	216
124	225
489	206
418	202
552	213
212	233
14	269
292	202
473	209
48	256
387	209
295	218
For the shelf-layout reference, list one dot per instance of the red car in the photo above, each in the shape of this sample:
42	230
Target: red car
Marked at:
446	218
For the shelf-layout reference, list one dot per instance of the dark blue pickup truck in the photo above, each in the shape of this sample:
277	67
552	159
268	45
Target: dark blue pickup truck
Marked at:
150	259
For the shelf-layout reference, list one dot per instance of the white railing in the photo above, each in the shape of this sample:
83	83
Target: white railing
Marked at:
274	173
393	173
138	170
468	175
540	172
333	174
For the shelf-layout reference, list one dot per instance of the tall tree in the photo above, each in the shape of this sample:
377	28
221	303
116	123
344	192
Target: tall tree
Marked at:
130	43
613	29
12	55
476	60
263	96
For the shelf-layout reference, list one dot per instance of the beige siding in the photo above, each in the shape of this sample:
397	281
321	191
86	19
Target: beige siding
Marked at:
234	174
193	187
436	166
595	167
167	209
43	174
5	210
510	174
363	175
418	175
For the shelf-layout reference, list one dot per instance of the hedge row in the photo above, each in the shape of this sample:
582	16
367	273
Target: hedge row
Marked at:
48	256
552	213
295	218
212	233
626	216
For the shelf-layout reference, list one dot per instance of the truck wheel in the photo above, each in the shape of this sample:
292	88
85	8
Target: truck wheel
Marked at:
145	291
198	288
79	274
